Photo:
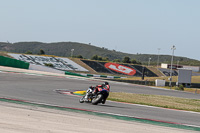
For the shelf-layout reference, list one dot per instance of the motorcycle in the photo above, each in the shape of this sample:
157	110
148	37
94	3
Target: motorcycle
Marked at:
99	97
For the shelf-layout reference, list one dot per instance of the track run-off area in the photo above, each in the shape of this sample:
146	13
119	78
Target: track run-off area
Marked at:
39	89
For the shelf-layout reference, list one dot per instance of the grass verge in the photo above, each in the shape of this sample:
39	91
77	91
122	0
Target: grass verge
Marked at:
157	100
191	90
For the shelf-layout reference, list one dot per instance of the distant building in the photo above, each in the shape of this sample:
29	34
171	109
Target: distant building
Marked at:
193	68
168	66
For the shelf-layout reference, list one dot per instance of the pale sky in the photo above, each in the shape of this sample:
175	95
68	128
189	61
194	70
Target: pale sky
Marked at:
130	26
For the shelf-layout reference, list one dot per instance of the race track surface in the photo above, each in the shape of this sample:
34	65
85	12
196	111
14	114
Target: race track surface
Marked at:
41	89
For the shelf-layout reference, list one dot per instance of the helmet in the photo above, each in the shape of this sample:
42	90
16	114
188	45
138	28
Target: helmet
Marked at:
106	83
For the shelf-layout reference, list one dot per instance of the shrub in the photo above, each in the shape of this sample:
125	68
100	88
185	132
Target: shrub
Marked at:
48	64
80	56
28	52
116	60
41	52
180	88
95	57
126	60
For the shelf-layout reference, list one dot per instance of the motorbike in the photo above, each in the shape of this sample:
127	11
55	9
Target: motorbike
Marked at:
95	99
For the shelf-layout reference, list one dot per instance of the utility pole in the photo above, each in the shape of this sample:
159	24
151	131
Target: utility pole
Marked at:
170	83
149	61
177	64
72	50
158	57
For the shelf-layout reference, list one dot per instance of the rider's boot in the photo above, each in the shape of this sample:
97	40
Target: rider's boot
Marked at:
103	101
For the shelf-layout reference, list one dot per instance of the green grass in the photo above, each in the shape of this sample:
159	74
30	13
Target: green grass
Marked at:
157	100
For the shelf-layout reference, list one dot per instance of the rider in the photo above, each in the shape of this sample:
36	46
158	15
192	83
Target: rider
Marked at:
93	90
104	86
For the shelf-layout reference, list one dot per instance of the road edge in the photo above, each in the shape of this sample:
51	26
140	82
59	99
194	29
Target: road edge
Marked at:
103	114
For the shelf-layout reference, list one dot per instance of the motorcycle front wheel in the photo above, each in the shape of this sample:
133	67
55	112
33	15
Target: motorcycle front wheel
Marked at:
97	99
81	100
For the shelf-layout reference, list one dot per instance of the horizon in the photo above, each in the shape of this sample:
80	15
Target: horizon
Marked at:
101	48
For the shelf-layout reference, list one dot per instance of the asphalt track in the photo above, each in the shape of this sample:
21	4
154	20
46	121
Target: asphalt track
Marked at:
41	89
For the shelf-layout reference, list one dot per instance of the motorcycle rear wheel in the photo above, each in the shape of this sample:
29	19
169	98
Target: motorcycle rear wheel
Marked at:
97	100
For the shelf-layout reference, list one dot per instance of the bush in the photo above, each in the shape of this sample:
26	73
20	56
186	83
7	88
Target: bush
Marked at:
79	56
28	52
180	88
41	52
48	64
105	59
126	60
95	57
116	60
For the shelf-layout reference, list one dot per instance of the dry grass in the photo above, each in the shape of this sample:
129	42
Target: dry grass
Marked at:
156	100
174	78
193	90
4	54
195	79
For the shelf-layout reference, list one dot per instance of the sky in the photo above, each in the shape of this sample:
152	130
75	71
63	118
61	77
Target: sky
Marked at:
130	26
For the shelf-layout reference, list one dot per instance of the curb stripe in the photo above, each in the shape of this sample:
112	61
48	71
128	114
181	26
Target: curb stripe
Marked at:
104	114
103	76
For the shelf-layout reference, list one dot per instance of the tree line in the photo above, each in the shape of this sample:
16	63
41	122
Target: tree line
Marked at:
124	60
96	57
127	59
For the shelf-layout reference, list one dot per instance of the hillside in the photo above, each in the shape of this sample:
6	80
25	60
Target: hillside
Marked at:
87	51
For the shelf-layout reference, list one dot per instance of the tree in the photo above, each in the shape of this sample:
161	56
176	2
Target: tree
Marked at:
138	62
80	56
116	60
105	59
133	61
100	58
28	52
126	60
95	57
41	52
